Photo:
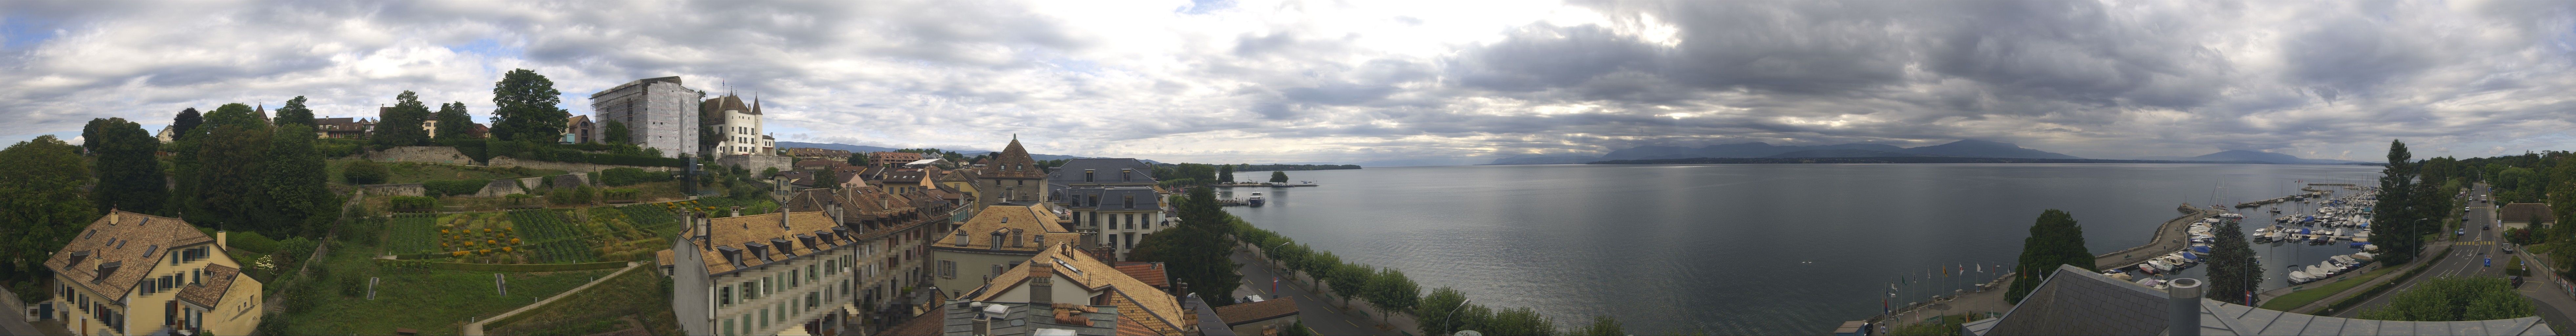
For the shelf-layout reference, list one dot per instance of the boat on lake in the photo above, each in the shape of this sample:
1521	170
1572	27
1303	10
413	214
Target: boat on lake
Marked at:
1256	199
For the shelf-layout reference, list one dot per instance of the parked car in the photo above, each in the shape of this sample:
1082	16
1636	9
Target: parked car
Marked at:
2517	281
2508	248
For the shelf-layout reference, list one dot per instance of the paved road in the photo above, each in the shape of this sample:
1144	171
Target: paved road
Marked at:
1316	310
2466	258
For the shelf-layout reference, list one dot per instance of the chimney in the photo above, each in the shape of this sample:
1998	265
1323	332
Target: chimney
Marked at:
111	216
782	221
705	239
1041	283
2184	311
985	317
220	244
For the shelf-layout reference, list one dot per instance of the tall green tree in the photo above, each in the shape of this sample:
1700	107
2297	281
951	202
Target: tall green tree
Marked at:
1390	291
858	159
2055	239
1519	321
453	121
2402	218
231	161
295	183
1198	250
524	107
2454	299
401	125
1438	311
1350	280
129	178
1225	173
89	135
615	132
2233	272
1278	176
184	123
295	113
827	179
40	199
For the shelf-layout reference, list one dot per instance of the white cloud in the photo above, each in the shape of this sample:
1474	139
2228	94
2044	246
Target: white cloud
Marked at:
1359	81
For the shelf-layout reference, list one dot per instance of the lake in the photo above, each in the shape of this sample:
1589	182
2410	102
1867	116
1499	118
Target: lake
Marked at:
1745	248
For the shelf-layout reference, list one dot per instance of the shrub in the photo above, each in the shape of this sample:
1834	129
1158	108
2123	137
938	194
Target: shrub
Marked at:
295	250
454	187
351	286
250	242
414	203
624	176
365	172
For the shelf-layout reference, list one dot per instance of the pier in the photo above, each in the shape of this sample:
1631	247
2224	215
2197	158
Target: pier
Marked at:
2311	193
2168	238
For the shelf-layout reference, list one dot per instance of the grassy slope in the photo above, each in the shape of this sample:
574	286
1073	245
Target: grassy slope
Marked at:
436	302
637	294
2293	300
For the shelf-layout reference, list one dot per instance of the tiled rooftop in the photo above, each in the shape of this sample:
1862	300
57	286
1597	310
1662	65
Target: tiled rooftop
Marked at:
132	242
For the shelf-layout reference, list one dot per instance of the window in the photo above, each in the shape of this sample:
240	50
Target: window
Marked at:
764	318
997	269
948	269
724	297
728	327
1131	202
792	278
809	272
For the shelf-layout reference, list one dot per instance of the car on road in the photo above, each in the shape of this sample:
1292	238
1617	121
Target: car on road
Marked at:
2517	281
2486	226
2462	232
2508	248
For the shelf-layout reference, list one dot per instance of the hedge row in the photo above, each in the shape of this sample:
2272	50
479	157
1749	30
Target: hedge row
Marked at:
623	176
505	267
454	187
485	149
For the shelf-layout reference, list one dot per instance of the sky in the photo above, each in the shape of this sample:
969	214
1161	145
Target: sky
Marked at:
1387	82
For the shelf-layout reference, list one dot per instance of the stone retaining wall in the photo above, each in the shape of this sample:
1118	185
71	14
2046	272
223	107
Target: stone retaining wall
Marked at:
428	154
577	167
406	189
758	163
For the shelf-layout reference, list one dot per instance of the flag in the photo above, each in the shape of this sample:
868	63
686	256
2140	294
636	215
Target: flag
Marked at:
1981	268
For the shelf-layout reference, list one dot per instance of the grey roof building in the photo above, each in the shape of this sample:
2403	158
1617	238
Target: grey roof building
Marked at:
2080	302
1099	172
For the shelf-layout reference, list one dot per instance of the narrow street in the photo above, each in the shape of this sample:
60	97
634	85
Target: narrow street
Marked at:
1318	311
2467	257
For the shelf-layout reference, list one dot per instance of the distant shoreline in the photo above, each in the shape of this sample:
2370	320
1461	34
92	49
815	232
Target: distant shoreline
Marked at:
1925	159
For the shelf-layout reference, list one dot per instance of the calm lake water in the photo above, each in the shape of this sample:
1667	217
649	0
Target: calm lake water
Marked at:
1743	249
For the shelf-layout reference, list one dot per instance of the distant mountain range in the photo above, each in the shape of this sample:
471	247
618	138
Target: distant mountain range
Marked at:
1958	149
2246	155
872	149
1961	148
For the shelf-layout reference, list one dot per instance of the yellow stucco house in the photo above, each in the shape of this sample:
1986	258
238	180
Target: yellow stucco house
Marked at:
159	270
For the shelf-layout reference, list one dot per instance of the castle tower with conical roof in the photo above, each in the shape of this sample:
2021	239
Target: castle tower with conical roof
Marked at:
1012	176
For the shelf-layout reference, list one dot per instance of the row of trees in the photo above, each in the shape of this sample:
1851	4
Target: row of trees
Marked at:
230	169
1440	312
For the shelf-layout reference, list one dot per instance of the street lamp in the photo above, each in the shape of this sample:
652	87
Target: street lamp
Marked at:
1452	316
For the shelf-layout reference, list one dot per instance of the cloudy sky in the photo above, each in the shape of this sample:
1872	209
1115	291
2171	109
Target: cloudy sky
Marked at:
1426	82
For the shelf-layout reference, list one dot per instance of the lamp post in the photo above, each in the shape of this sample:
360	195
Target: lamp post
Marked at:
1452	316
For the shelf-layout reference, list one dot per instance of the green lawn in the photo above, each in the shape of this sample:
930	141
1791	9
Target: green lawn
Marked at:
2302	298
603	308
436	302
